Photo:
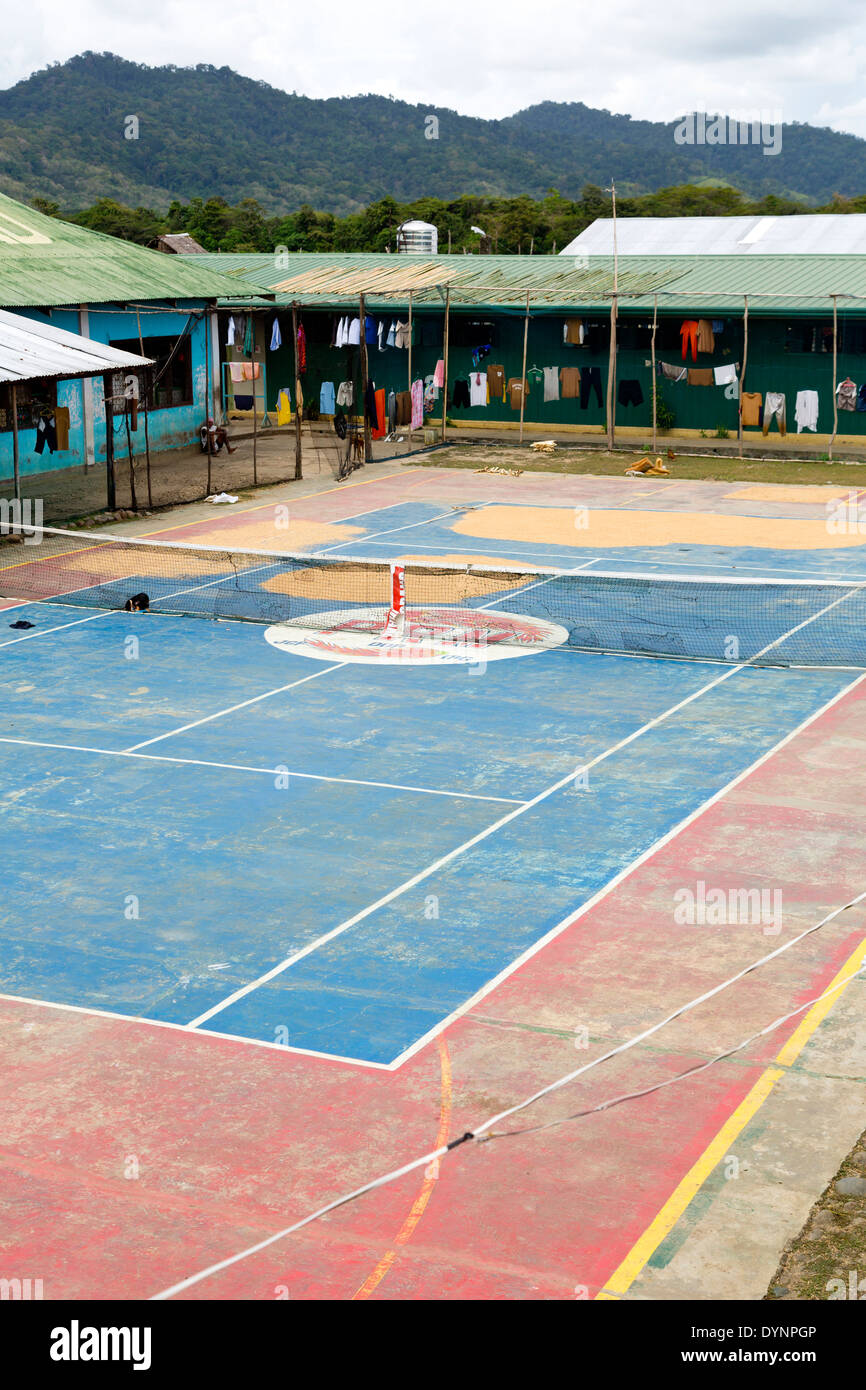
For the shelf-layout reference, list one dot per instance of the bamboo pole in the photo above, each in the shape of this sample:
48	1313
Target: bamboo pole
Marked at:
299	466
110	487
611	376
835	383
743	370
410	366
146	430
16	459
255	407
654	377
445	361
523	372
132	497
207	400
368	447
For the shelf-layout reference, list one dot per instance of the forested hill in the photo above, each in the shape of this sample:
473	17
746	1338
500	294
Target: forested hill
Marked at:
207	131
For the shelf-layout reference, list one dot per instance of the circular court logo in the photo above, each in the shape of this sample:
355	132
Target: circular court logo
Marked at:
426	636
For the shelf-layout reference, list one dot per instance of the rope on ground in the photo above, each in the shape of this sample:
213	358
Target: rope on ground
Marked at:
482	1132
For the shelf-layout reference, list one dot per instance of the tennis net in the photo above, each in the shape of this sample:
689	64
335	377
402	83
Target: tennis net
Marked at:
754	621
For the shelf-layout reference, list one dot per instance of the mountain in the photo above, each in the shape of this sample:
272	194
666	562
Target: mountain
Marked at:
206	131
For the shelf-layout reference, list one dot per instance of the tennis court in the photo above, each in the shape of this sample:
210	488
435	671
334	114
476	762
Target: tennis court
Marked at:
277	865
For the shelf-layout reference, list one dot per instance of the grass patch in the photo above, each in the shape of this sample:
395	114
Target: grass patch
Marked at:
601	464
832	1243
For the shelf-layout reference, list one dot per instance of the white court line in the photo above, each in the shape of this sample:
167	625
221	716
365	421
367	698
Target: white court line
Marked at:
617	879
412	525
205	1032
219	714
453	854
503	975
264	771
616	553
497	825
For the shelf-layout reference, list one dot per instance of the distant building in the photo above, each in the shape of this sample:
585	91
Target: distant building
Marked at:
179	244
417	239
793	234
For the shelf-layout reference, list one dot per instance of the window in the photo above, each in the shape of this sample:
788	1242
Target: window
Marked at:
34	398
171	380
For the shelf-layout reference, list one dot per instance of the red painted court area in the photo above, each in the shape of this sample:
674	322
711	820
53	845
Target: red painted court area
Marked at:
135	1156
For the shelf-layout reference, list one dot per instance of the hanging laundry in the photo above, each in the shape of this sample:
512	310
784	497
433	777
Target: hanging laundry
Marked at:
417	404
46	434
391	340
861	397
346	393
380	429
725	375
751	409
570	377
551	384
461	397
276	336
284	407
239	325
327	399
61	425
370	402
517	392
706	341
243	402
590	380
404	407
439	373
806	410
671	371
573	332
774	407
250	371
302	348
689	335
535	378
846	394
701	376
431	395
629	392
230	336
369	330
236	371
249	336
381	334
496	381
392	411
354	334
718	325
401	336
477	388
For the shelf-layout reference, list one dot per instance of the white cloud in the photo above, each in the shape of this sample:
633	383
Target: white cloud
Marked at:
653	62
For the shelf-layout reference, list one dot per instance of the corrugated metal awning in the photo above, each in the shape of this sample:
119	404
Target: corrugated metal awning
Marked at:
29	350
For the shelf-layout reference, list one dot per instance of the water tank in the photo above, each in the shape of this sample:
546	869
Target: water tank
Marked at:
417	239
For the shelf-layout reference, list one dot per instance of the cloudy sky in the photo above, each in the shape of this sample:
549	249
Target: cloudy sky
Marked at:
802	61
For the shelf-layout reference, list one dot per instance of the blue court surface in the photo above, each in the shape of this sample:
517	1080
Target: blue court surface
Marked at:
214	833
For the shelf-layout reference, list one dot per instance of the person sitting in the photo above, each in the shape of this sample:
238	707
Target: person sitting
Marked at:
218	437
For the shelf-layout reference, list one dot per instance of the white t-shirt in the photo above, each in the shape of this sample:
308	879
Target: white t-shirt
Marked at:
477	388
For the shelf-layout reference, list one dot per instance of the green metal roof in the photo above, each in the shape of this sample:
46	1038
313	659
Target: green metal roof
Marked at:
700	284
44	261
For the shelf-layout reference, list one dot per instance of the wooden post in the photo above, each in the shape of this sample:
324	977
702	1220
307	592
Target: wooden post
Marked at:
523	373
207	399
410	365
835	383
743	370
653	354
368	448
110	487
299	467
144	403
132	497
611	376
445	361
16	461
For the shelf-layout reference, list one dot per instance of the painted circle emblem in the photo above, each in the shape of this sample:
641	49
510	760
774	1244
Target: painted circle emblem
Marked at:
431	636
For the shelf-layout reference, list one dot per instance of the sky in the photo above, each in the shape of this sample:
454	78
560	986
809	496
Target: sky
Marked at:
794	61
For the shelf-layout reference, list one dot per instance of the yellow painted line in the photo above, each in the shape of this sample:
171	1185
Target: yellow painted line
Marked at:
682	1196
804	1030
407	1230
